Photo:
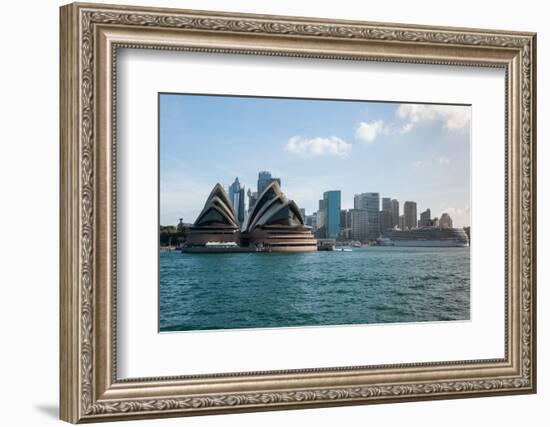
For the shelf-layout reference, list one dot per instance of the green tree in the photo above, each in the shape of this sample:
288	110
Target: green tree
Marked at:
181	231
166	235
170	235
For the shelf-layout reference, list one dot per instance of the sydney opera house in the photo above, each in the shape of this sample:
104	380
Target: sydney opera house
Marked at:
274	224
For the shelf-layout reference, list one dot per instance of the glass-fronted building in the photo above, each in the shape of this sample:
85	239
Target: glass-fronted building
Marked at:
370	202
332	205
411	218
359	224
236	196
264	180
394	213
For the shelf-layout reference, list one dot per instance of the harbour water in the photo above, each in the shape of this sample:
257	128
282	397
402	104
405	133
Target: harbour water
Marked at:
266	290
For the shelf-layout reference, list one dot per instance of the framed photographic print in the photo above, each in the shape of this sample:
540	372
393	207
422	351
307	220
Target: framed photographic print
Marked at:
264	212
354	259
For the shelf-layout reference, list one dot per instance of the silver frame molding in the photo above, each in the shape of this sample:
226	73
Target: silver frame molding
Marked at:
90	37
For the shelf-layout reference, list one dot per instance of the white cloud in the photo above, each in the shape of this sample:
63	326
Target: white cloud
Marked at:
453	117
406	128
417	164
369	131
318	146
444	161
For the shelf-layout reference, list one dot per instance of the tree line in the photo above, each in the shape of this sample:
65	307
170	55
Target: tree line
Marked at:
171	235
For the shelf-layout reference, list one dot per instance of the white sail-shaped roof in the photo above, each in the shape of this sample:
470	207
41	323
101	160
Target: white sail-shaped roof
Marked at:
217	210
273	207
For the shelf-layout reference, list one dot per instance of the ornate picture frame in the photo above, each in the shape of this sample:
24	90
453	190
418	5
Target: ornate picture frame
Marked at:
90	37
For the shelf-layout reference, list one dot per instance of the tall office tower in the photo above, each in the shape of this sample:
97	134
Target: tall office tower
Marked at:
359	201
303	213
426	218
445	221
321	214
371	203
345	224
394	213
359	224
345	218
252	197
409	210
401	223
332	206
311	221
320	220
385	220
264	179
241	212
236	196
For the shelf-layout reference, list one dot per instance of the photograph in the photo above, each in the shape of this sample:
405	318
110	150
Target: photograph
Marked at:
271	209
291	212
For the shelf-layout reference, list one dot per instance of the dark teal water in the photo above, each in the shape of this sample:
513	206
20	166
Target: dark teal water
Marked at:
260	290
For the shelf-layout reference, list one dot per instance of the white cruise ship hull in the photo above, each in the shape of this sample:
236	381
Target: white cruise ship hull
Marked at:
430	237
428	243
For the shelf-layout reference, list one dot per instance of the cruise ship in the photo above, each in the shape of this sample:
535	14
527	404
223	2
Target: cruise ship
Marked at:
425	236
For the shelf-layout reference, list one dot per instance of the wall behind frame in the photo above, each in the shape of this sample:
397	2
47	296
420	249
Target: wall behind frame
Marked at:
29	171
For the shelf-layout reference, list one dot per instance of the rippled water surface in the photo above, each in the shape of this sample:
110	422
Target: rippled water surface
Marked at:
260	290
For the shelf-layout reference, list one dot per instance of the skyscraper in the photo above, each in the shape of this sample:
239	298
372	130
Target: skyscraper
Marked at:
345	224
320	220
264	179
401	222
236	196
321	214
371	203
394	213
426	218
359	201
345	218
359	224
385	220
332	205
252	197
311	221
303	212
445	221
409	210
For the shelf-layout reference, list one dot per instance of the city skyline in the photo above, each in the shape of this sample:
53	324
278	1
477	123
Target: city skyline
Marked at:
433	169
370	205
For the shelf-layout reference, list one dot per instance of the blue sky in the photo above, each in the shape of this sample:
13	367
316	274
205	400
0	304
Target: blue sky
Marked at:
414	152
